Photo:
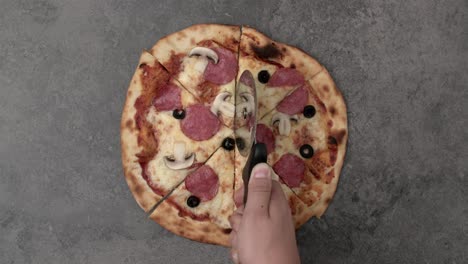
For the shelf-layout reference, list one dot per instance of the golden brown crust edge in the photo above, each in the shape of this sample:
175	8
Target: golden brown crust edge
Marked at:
253	42
204	231
183	41
331	97
143	194
339	131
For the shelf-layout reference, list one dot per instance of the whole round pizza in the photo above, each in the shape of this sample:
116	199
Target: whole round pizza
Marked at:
178	147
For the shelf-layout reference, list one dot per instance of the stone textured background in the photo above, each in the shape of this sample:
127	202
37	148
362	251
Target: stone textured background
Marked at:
402	67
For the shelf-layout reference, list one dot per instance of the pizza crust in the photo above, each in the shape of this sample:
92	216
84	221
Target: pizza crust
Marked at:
256	43
183	41
326	89
143	194
203	231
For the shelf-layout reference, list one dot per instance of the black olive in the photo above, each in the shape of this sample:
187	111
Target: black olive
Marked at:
193	201
228	143
306	151
178	113
309	111
263	76
240	143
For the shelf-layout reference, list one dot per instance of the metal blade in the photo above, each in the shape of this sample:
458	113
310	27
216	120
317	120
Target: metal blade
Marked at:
245	119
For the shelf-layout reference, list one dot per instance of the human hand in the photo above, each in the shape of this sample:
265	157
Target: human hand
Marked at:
263	231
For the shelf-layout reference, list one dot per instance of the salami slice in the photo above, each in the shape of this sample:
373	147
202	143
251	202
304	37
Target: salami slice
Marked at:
199	123
167	98
203	183
225	70
290	168
265	135
286	77
295	102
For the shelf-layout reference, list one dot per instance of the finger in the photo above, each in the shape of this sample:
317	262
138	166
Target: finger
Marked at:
278	202
240	210
239	196
259	190
235	221
234	256
233	239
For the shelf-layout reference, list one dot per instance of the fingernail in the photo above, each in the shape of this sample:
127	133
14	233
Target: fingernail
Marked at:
261	174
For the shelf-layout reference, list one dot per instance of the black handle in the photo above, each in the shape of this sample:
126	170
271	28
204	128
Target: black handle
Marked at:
257	155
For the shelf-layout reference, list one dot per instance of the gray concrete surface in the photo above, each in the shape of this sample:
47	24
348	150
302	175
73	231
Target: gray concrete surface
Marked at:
402	67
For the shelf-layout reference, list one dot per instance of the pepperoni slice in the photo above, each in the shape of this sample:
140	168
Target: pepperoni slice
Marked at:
291	169
265	135
203	183
286	77
295	102
167	98
199	123
225	70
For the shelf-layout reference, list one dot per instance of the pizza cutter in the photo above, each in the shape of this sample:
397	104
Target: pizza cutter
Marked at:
245	123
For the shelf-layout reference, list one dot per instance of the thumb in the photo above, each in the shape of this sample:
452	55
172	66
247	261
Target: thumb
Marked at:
259	191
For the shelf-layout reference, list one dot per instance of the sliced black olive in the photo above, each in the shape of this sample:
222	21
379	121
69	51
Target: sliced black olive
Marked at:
178	113
193	201
228	143
306	151
263	76
309	111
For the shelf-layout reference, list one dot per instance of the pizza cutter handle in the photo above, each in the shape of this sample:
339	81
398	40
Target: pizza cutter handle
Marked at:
257	155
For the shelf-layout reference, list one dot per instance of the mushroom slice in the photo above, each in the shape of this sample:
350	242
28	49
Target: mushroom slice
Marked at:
204	52
179	160
222	105
283	121
246	105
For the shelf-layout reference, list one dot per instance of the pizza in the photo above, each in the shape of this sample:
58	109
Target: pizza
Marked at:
178	149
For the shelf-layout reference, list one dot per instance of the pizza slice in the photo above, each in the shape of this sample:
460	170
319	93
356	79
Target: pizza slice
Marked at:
203	58
134	135
279	69
166	133
304	143
332	102
289	161
199	207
